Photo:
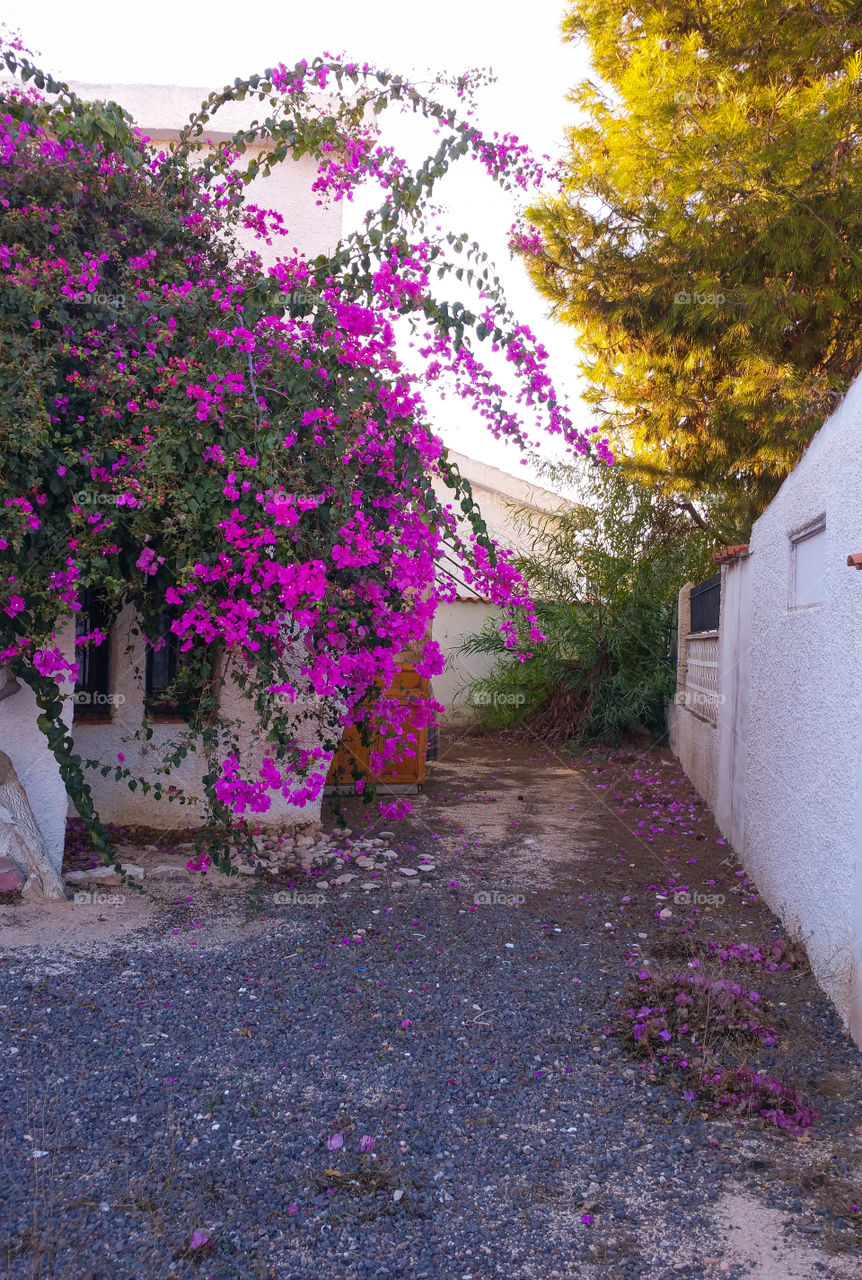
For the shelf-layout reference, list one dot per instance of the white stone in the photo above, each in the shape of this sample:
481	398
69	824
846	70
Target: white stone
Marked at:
370	884
105	875
408	871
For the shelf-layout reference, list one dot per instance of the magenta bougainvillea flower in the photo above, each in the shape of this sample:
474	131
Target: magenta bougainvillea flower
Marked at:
237	449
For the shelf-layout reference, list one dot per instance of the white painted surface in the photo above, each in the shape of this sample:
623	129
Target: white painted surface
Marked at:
803	740
452	624
103	742
37	770
161	111
786	781
506	502
694	741
735	666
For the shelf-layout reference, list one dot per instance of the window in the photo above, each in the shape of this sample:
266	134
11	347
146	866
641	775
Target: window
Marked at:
172	689
93	700
808	565
163	661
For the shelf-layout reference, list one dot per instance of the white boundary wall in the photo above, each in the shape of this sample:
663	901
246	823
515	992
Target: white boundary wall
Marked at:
782	769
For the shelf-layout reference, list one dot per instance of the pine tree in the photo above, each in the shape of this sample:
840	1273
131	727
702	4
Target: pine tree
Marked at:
707	247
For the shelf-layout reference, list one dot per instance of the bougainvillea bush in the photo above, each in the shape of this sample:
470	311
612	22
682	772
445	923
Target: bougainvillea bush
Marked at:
187	432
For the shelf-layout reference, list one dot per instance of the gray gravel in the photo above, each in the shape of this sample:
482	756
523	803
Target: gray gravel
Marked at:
174	1088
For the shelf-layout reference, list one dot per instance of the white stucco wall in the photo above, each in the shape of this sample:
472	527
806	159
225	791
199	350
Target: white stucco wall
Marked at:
160	111
452	625
801	839
693	739
103	741
503	500
695	744
783	771
37	770
501	497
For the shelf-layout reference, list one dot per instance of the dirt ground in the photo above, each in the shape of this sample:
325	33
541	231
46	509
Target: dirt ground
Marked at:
596	841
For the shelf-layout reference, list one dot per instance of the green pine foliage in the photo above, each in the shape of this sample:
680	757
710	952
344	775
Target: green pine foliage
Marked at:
707	247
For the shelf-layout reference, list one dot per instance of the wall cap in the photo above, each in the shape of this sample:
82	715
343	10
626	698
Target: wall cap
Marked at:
727	555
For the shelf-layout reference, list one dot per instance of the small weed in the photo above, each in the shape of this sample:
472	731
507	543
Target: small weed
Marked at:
253	907
704	1028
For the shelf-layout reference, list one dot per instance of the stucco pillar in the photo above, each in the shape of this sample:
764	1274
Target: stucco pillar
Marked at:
684	627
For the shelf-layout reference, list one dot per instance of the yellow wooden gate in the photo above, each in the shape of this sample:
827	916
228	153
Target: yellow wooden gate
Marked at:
352	758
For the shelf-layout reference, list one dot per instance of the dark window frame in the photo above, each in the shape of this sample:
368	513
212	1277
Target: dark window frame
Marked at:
162	665
161	670
92	694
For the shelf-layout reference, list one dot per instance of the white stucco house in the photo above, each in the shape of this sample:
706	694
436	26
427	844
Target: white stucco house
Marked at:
506	502
118	691
107	709
775	743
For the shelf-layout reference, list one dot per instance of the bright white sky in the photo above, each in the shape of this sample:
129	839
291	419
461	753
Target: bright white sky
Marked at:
177	42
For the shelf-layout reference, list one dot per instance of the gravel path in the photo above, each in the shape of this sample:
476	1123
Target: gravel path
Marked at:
216	1072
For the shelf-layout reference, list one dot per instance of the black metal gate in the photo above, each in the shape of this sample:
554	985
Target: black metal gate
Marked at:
706	604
